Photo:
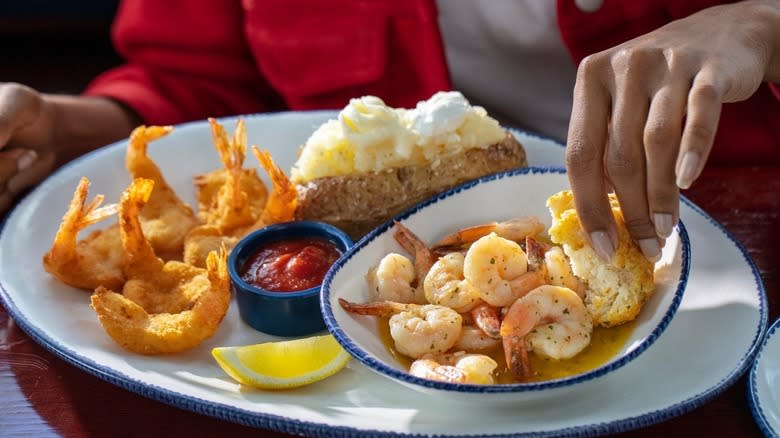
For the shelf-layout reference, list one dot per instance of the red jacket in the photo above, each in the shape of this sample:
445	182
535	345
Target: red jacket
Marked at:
190	60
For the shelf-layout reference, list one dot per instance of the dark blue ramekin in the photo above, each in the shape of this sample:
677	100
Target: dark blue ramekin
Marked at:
281	313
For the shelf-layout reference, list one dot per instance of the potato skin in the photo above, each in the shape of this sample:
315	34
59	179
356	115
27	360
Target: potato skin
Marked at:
359	203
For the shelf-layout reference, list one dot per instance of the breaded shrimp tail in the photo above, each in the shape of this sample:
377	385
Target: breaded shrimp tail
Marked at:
94	261
283	199
166	218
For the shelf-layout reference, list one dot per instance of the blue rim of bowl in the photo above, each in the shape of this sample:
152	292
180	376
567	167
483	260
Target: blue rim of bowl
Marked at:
756	408
377	365
343	240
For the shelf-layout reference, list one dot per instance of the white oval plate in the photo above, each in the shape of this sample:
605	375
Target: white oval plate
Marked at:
764	383
681	371
498	197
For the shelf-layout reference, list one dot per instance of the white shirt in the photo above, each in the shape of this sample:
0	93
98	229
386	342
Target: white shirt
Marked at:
508	56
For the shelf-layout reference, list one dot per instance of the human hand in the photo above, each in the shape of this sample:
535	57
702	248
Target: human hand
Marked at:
645	115
26	132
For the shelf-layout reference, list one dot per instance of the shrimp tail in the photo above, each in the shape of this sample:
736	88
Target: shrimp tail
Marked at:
376	308
283	200
137	160
535	251
79	215
424	258
465	235
516	355
513	229
232	154
488	318
216	265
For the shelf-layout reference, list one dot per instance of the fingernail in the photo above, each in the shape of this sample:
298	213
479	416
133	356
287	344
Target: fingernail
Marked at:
26	160
663	224
650	248
688	167
602	245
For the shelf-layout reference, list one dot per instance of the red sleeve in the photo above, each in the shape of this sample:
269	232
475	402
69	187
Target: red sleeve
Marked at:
184	61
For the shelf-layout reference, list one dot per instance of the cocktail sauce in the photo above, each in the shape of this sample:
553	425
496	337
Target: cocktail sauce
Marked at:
290	265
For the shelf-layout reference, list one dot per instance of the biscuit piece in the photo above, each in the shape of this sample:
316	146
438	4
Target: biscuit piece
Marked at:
615	291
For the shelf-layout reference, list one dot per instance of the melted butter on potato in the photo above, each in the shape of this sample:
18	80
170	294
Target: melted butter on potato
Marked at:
369	136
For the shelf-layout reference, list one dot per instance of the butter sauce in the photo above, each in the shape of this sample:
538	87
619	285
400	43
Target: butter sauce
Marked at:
604	346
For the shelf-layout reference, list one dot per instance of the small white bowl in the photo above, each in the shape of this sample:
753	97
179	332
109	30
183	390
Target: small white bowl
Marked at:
494	198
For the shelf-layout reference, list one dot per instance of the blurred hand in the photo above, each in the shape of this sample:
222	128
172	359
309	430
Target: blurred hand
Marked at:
630	103
26	140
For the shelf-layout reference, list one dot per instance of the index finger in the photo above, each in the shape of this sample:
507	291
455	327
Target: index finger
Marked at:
585	149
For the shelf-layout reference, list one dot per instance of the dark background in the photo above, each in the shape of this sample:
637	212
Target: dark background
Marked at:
55	46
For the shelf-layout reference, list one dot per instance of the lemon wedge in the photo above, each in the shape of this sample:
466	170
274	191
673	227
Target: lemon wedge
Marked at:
283	364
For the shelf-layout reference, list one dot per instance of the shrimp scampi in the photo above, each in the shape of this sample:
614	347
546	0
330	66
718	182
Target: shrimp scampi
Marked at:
473	338
445	284
498	268
424	258
393	279
416	329
503	291
551	321
459	367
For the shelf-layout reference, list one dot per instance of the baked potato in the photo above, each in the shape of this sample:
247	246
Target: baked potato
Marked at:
357	203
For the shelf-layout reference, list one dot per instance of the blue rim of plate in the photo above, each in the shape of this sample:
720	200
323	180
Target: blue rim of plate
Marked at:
753	400
308	428
388	371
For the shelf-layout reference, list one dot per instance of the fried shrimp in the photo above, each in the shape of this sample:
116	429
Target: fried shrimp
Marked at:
149	278
97	259
445	284
283	199
143	332
202	240
550	320
498	268
164	307
457	367
392	279
416	329
234	205
513	229
165	218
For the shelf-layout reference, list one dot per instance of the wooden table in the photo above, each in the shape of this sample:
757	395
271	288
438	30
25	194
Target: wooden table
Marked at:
42	395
